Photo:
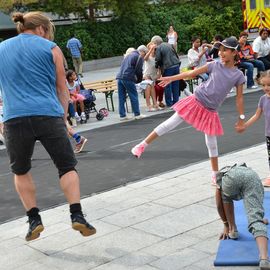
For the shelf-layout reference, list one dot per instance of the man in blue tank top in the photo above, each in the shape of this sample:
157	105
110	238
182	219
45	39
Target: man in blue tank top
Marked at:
35	99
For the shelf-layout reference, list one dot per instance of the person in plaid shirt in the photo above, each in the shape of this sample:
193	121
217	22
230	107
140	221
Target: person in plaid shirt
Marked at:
75	48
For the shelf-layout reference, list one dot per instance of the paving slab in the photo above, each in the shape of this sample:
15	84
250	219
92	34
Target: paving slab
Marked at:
165	222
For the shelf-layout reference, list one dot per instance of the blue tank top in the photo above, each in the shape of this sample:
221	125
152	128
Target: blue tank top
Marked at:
27	77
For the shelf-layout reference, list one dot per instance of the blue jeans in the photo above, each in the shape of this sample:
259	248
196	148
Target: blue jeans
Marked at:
249	66
71	110
171	90
127	87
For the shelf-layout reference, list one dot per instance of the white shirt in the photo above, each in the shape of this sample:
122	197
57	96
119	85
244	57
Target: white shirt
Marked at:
193	58
172	38
261	47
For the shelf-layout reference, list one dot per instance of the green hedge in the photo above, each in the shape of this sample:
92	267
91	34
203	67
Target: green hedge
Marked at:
107	39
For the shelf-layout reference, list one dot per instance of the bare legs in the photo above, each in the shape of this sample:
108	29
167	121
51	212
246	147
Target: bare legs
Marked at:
151	137
214	163
150	92
81	106
262	243
25	187
70	185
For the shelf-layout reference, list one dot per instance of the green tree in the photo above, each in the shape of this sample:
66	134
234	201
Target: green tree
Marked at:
10	5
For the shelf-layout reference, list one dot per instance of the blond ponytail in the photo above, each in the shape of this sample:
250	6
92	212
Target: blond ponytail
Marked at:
32	20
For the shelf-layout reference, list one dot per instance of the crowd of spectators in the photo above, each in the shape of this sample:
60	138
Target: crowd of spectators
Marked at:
160	58
141	68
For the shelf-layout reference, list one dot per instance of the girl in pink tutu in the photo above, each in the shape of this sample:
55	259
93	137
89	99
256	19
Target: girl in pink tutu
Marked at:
75	96
200	109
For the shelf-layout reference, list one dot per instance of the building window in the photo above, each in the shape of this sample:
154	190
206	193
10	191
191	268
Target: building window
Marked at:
252	4
267	3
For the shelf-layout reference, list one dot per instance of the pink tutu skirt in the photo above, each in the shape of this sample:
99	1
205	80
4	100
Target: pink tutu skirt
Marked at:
195	114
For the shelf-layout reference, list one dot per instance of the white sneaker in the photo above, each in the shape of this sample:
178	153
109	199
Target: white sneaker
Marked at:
264	264
83	116
253	87
125	118
78	118
141	116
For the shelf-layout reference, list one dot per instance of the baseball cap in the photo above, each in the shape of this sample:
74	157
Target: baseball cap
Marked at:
230	42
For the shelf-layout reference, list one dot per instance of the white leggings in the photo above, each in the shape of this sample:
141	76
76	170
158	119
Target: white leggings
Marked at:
174	121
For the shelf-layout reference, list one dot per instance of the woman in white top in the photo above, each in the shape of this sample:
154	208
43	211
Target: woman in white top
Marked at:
261	47
196	56
172	37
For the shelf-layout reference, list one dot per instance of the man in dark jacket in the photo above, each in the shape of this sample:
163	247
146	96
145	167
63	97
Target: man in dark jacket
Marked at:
130	73
168	61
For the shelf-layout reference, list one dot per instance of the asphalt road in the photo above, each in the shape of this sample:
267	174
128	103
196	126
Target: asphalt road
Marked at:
107	163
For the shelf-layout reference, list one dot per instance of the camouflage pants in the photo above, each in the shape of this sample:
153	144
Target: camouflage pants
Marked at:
244	183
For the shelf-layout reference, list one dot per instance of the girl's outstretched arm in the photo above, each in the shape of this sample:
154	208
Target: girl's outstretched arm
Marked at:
254	117
164	81
240	125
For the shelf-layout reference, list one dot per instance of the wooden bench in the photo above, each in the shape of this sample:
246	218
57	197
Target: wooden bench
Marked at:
105	86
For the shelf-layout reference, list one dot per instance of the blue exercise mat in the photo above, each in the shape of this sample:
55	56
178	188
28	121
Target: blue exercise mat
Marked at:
244	251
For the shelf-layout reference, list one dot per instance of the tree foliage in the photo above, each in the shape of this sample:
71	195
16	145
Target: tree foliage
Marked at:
136	21
12	5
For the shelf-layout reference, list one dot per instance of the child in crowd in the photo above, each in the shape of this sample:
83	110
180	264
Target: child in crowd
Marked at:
200	109
214	50
236	183
150	75
74	90
196	56
79	139
263	108
208	47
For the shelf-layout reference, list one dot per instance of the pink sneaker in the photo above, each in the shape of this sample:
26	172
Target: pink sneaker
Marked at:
137	150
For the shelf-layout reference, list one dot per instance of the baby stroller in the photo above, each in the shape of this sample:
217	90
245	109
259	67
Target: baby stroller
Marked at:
89	104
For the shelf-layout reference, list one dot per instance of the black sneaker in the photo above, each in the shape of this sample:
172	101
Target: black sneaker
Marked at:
80	224
35	228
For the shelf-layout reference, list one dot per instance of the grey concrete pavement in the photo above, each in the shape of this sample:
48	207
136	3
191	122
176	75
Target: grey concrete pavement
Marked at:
166	222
